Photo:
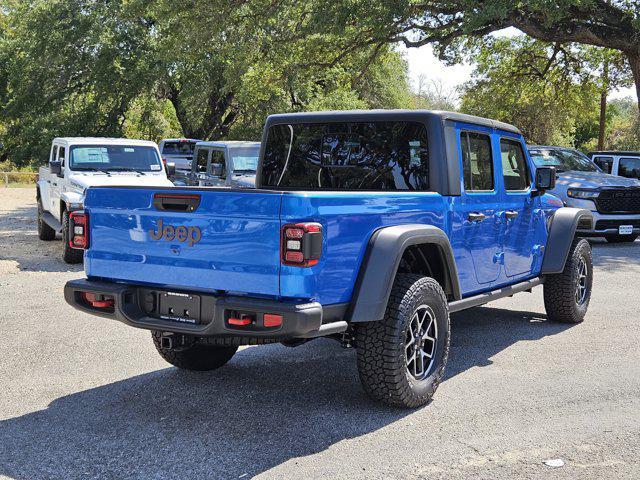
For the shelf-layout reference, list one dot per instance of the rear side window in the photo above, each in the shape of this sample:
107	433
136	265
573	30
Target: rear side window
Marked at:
629	167
605	163
477	161
347	156
178	148
514	165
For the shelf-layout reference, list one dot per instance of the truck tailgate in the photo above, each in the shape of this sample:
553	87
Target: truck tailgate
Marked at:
230	241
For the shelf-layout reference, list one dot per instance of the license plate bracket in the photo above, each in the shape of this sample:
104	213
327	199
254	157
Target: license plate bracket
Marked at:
625	230
179	307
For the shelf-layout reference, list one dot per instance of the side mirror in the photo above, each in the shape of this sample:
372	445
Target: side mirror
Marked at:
216	169
545	178
171	169
55	167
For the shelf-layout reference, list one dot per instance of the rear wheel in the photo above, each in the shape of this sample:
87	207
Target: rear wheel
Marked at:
45	232
185	352
567	294
70	255
621	238
401	359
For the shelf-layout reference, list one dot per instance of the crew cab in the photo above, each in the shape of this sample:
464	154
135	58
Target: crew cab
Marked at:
222	163
613	201
78	163
368	227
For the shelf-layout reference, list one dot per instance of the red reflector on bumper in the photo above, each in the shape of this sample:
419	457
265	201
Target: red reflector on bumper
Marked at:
272	320
97	300
240	322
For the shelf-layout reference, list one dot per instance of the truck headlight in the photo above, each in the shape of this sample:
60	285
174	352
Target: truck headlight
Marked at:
584	194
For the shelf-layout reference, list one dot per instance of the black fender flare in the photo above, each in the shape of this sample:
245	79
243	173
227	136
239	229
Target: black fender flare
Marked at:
564	224
380	265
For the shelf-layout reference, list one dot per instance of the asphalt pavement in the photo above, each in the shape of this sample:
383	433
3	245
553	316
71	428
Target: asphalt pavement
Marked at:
83	397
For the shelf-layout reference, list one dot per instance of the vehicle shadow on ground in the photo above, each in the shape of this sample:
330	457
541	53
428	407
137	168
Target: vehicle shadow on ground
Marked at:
268	406
20	243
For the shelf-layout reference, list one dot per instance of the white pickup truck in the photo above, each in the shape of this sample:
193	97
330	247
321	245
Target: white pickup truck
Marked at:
78	163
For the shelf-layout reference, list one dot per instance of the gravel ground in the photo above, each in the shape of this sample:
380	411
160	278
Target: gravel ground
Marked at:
85	397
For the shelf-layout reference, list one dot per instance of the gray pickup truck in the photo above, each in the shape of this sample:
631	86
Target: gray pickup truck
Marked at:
613	201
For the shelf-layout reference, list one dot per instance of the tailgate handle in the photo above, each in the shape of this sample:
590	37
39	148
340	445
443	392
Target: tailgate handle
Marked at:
176	202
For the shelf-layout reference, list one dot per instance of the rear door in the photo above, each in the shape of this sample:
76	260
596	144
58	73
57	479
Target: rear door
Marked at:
518	214
209	239
476	232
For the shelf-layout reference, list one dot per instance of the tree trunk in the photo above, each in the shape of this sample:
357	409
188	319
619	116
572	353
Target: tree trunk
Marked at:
603	104
603	115
634	62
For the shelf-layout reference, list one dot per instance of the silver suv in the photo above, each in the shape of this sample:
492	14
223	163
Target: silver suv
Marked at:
614	201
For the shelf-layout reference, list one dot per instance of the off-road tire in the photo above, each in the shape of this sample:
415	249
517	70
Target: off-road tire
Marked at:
45	232
70	255
621	238
194	356
381	345
560	289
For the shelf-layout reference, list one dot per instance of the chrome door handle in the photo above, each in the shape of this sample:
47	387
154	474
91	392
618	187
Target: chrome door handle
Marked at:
510	214
476	217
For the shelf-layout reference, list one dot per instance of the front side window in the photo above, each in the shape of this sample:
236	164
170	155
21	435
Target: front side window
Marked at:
218	166
202	155
629	167
61	154
514	165
389	155
115	158
605	163
477	161
54	154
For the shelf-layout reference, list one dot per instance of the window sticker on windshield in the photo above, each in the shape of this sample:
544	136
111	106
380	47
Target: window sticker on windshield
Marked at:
129	149
155	167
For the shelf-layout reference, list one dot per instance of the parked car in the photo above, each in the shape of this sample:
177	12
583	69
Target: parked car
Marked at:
229	163
613	201
78	163
625	164
178	151
367	227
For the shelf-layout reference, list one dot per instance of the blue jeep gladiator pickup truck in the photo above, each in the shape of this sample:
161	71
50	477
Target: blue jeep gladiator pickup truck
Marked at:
368	227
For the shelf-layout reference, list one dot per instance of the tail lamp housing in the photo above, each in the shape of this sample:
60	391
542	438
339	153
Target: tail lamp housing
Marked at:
79	230
301	244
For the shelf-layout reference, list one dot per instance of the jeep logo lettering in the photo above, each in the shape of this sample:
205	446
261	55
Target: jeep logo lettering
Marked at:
182	234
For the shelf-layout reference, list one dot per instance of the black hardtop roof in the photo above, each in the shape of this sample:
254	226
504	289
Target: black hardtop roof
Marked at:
615	152
385	115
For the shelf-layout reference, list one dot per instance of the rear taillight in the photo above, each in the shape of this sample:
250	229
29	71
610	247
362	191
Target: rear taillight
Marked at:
301	244
79	230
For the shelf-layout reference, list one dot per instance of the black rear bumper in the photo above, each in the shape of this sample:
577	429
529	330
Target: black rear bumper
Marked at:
299	320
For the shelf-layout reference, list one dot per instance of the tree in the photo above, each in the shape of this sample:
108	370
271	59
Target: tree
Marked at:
613	24
542	88
434	95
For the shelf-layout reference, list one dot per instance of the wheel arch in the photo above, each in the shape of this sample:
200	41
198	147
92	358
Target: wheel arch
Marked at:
386	250
564	224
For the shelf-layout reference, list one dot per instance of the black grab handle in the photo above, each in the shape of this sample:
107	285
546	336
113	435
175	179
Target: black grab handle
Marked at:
176	202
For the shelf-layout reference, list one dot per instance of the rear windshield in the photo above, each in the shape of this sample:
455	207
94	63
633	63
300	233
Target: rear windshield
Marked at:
347	156
178	148
115	157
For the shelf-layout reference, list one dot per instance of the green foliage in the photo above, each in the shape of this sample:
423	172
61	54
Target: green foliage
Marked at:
534	86
150	68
